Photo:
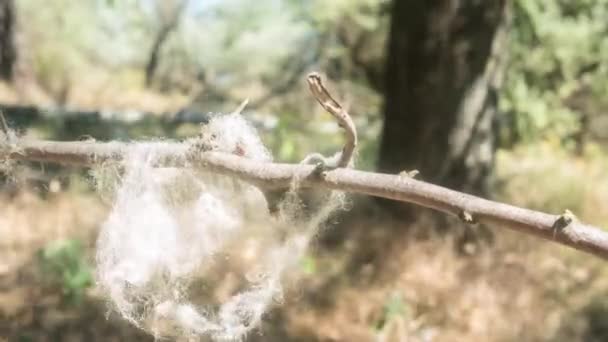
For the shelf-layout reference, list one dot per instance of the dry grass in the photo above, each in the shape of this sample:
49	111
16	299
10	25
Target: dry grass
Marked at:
98	91
546	177
426	291
27	222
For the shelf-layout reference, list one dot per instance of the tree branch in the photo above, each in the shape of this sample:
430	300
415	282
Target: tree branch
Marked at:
315	83
566	231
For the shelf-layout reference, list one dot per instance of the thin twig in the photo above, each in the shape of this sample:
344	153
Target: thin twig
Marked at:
4	125
241	107
279	176
315	83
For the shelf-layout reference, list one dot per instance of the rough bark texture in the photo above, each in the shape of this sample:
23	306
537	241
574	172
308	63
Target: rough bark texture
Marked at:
8	53
442	73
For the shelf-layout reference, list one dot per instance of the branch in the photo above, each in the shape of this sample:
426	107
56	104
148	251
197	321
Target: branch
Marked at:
564	229
319	91
559	228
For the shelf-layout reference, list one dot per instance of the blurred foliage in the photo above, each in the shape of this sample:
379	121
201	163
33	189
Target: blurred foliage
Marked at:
221	52
558	68
63	264
308	265
395	306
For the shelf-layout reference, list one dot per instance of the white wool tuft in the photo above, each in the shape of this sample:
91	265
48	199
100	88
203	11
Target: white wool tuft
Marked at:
230	133
175	236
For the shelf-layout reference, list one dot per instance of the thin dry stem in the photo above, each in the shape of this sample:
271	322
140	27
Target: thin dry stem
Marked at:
315	83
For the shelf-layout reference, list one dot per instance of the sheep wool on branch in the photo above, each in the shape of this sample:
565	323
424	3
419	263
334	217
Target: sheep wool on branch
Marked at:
188	253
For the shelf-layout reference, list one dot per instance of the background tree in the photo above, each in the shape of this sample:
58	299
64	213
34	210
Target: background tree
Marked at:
442	74
556	81
8	52
169	13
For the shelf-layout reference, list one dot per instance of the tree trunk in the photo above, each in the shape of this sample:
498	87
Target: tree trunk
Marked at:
7	39
155	50
169	19
442	74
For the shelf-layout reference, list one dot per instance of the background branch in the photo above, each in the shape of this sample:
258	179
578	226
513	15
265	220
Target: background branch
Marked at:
276	176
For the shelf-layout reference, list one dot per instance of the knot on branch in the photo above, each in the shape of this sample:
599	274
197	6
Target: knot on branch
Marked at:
466	217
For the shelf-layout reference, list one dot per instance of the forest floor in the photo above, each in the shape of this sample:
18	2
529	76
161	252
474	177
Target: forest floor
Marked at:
368	279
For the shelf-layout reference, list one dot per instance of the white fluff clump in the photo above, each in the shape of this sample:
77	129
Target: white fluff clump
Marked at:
233	134
173	235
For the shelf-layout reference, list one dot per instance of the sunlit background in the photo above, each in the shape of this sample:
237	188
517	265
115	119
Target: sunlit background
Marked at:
157	69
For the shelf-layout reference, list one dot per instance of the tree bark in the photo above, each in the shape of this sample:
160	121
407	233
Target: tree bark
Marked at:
442	75
8	53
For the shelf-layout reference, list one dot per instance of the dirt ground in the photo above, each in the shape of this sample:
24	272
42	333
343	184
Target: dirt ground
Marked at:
366	279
